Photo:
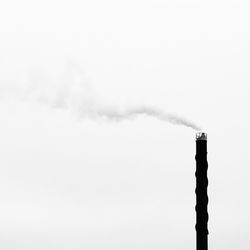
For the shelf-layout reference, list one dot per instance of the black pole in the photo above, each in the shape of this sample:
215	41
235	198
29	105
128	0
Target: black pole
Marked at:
201	192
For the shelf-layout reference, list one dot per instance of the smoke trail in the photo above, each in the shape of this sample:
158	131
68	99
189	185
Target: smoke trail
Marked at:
114	114
67	88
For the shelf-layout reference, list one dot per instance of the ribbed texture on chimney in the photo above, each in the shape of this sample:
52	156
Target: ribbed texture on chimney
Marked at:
201	194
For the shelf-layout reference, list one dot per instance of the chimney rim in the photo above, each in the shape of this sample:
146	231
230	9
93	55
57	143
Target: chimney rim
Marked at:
201	136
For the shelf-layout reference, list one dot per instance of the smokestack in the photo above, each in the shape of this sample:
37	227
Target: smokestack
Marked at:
201	191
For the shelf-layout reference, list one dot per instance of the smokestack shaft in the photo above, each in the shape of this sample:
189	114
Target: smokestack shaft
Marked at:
201	192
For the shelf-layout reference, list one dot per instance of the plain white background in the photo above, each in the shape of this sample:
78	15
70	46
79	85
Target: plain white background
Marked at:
69	182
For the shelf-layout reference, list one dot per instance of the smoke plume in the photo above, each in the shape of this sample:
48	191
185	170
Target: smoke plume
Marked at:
114	114
66	87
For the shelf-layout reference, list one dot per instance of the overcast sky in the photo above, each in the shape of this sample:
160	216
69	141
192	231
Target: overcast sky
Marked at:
70	182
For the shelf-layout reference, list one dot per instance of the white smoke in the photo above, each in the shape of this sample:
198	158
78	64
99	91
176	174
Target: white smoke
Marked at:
111	113
68	88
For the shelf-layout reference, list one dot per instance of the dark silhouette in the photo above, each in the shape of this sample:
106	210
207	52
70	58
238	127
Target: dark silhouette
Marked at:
201	192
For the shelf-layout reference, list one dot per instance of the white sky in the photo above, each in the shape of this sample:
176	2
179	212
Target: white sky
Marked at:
72	183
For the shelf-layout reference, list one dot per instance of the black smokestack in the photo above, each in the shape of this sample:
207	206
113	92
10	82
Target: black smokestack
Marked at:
201	192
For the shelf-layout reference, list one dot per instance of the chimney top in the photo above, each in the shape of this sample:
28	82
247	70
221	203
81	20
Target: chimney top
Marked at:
201	136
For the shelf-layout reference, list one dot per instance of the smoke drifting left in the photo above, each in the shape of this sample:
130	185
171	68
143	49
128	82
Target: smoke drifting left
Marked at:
110	113
68	88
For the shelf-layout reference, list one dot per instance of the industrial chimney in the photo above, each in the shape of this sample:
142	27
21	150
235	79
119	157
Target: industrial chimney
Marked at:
201	192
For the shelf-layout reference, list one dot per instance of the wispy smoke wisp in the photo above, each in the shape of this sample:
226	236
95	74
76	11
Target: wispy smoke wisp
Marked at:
113	114
66	87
